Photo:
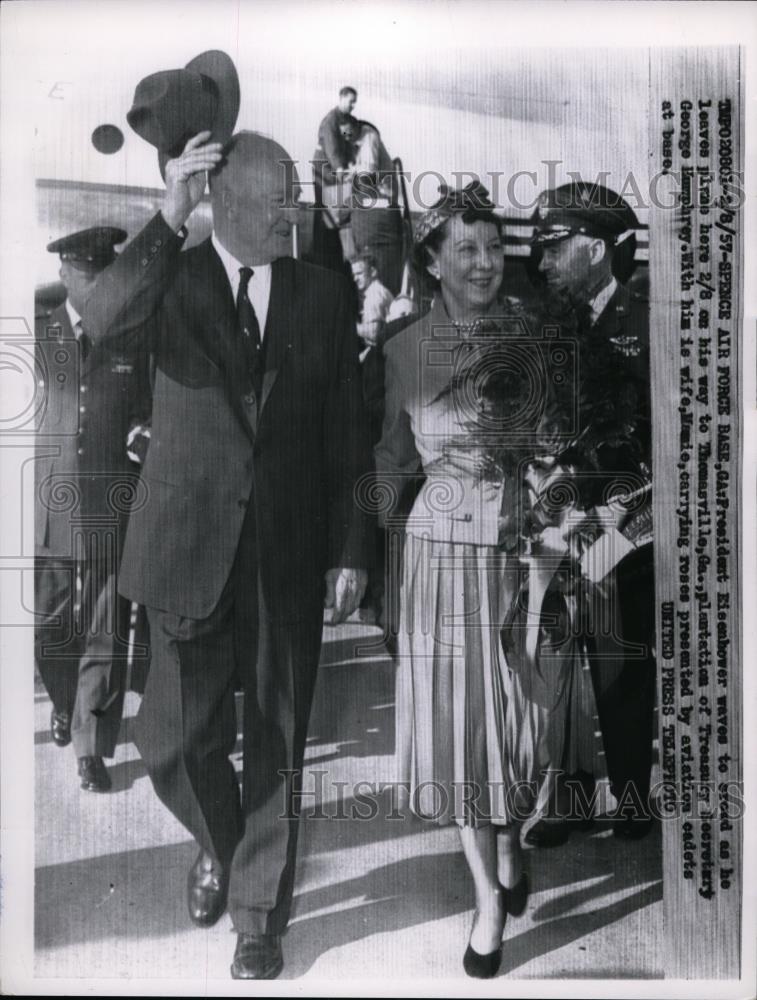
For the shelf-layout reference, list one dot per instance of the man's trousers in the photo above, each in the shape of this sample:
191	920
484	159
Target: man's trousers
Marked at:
81	646
624	679
187	729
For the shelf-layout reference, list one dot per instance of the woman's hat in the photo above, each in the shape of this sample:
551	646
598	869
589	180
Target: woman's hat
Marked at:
474	197
171	106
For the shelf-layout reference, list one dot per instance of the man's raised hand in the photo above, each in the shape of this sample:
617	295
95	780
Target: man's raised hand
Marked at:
186	177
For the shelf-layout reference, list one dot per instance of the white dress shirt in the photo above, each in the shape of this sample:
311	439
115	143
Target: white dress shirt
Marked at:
259	287
600	301
75	318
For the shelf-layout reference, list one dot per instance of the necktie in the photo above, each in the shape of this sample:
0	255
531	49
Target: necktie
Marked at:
582	317
85	341
249	330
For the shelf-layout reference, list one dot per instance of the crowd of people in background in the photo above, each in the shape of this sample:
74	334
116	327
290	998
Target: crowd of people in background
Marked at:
249	517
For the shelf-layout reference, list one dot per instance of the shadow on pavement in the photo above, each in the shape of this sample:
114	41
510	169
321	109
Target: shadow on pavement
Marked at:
353	890
426	888
125	773
140	894
549	936
132	894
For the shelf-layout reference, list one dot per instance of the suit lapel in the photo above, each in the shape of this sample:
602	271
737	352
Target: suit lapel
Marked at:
610	320
215	320
87	359
60	318
279	326
210	299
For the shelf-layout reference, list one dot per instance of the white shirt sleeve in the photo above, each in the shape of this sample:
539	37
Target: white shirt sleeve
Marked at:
376	302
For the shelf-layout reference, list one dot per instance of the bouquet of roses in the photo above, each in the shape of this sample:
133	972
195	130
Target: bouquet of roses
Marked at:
557	446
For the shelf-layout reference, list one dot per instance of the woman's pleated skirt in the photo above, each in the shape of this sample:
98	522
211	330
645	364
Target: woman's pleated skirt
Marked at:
471	733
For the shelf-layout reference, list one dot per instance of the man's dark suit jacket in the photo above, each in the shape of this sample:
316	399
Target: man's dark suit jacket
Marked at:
296	455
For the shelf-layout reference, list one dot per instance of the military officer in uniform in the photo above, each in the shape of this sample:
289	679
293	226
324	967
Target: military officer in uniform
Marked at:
583	248
84	487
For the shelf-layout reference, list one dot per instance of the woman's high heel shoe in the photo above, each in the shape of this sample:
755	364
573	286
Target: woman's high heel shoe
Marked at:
484	966
515	899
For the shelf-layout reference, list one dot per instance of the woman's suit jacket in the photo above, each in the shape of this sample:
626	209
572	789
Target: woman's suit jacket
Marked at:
431	428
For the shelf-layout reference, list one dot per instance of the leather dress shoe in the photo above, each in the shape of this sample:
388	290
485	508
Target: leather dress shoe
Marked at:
94	774
630	828
60	728
515	899
257	956
554	831
207	887
548	833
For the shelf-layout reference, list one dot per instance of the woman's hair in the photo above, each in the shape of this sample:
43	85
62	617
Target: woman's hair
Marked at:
472	203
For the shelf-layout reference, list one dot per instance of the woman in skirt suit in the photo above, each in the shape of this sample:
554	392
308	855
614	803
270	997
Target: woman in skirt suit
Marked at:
467	729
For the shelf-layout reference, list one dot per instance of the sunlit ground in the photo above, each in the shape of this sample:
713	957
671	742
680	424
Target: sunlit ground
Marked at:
375	899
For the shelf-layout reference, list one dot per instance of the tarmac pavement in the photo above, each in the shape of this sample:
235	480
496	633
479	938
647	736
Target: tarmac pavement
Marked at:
379	899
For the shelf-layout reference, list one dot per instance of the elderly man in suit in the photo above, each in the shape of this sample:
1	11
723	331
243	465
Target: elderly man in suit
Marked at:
258	440
95	394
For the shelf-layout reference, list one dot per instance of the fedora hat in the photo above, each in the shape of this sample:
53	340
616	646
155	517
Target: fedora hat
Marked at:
171	106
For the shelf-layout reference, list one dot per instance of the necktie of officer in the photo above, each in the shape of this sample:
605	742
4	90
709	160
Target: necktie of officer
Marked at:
249	329
84	340
582	318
